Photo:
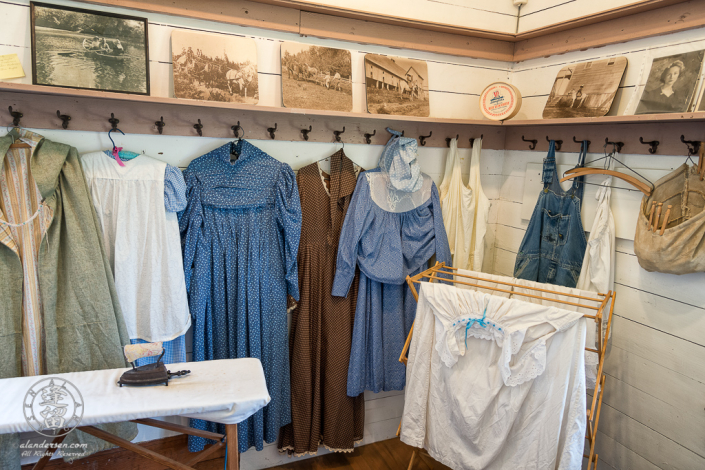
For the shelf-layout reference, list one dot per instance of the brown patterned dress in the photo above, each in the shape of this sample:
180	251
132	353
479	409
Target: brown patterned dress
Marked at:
321	327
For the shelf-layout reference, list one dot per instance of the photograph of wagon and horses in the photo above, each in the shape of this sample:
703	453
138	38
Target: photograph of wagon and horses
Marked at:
214	67
77	48
396	85
586	89
315	77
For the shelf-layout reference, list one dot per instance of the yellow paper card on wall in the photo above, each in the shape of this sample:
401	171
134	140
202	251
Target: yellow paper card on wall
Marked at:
10	67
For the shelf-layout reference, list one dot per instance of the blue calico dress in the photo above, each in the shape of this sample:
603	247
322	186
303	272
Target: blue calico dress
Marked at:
388	245
240	236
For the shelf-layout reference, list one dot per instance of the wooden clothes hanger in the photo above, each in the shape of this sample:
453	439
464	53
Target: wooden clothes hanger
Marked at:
583	171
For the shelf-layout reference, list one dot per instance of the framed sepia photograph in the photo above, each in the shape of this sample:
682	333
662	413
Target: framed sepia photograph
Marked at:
396	85
671	83
316	77
77	48
586	89
214	67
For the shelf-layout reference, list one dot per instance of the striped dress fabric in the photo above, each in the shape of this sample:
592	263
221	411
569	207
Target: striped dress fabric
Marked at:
23	222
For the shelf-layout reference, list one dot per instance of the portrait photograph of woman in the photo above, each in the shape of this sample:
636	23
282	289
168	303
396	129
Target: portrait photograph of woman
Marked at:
671	83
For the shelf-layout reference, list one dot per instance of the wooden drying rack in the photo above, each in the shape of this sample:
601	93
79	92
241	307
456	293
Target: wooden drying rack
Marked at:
599	305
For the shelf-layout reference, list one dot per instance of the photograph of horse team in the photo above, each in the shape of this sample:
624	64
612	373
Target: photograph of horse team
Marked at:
214	67
396	85
315	77
586	89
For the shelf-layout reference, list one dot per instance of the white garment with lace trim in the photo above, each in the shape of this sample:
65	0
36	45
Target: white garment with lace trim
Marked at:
513	398
465	209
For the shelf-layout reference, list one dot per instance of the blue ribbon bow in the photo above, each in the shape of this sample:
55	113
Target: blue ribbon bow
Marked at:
479	321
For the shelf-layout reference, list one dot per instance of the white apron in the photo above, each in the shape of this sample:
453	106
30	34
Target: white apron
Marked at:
465	209
143	244
597	273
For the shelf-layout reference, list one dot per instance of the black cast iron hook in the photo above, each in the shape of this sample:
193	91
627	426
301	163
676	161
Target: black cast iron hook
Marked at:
306	131
337	134
367	136
448	139
199	128
272	130
558	143
160	125
236	128
533	142
618	145
113	121
16	116
422	138
695	145
653	144
65	118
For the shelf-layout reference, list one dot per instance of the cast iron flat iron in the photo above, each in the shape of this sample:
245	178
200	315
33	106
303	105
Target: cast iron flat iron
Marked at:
149	374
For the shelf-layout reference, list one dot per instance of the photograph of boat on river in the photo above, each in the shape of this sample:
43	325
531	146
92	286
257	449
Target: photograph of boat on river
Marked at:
78	48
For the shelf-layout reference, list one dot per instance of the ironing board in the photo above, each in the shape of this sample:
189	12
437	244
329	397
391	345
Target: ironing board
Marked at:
225	391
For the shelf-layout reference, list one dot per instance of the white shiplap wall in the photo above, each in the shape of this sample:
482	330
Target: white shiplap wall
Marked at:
455	86
539	13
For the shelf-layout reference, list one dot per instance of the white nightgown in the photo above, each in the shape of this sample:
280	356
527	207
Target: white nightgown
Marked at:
513	398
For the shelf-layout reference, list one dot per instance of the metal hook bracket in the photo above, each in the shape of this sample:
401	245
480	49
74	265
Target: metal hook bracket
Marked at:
693	146
236	128
422	138
653	144
448	139
618	145
306	131
160	125
533	142
337	134
16	116
113	121
199	128
367	136
65	118
559	143
272	130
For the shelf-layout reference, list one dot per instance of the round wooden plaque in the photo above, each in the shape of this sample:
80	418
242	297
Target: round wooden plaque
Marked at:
500	101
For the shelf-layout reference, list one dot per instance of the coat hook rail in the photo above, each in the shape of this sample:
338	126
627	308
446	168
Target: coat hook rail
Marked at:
160	125
533	142
693	145
236	130
16	116
306	131
272	130
337	134
199	128
559	143
65	118
367	136
652	144
619	145
448	139
113	121
422	138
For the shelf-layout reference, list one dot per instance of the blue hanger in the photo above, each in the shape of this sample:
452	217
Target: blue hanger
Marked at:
111	139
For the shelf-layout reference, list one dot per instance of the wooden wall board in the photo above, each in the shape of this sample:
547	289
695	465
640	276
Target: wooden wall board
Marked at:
669	19
366	32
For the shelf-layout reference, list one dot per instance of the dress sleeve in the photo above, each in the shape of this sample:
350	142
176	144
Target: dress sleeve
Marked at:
190	222
350	236
442	247
289	223
174	189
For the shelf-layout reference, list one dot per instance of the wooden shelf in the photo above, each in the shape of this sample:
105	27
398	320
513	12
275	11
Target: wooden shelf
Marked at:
90	110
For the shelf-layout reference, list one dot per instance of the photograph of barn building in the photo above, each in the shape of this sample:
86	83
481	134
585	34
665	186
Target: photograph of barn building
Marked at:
396	85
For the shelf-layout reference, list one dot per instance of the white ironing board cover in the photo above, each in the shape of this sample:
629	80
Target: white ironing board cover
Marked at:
225	391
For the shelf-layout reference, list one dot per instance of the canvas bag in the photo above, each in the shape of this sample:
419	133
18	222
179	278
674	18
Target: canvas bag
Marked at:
681	248
465	209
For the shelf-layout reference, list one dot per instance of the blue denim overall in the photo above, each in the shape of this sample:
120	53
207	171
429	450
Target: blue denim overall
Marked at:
554	244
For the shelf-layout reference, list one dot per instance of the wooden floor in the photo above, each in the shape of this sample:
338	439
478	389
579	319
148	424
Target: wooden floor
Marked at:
391	454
